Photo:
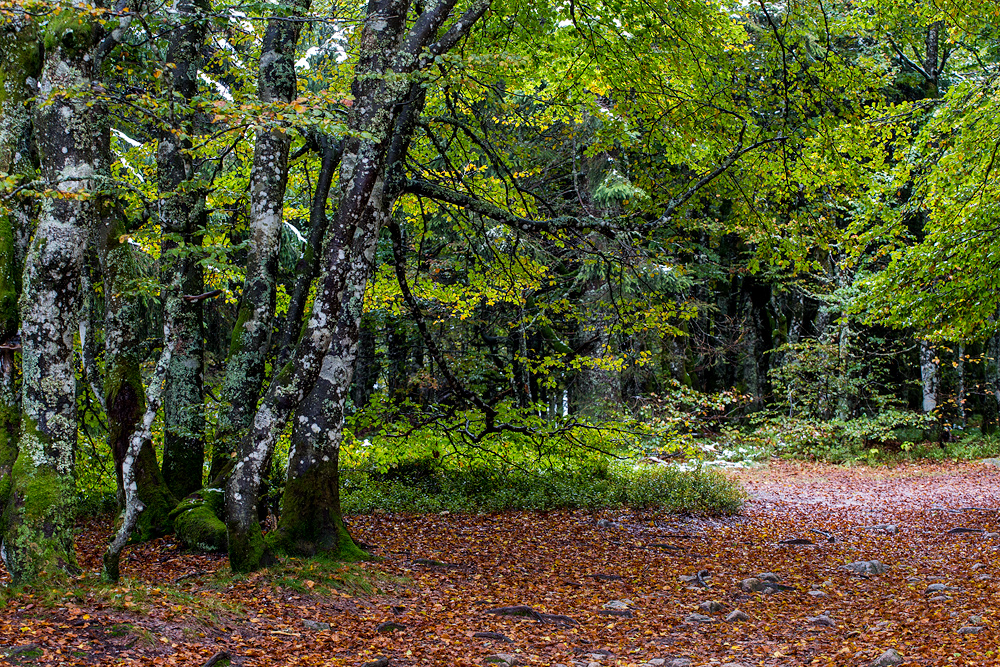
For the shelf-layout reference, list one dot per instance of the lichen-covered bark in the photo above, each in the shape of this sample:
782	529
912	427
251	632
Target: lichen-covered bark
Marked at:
72	143
308	265
251	337
182	215
20	62
125	394
310	507
138	440
383	88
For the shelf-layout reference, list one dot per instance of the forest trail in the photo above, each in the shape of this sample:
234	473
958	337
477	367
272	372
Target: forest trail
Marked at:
602	587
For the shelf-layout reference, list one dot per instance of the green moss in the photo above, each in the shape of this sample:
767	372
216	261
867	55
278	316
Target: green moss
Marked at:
236	342
247	551
70	31
198	528
39	522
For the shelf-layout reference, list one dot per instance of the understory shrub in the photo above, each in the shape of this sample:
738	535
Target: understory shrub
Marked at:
482	488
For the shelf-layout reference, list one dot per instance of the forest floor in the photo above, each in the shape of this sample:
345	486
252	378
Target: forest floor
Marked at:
600	588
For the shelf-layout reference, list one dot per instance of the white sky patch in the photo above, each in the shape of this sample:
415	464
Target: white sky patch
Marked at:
128	165
565	23
233	54
219	88
295	231
127	139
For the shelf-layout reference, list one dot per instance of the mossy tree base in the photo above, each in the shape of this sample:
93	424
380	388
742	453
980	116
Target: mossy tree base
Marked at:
311	522
38	523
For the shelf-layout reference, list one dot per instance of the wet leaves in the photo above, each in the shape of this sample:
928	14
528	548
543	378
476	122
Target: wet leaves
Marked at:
921	590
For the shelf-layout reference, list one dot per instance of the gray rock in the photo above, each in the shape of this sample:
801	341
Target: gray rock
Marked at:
604	523
509	659
888	659
657	662
736	617
318	626
995	463
939	598
733	664
619	604
938	588
381	661
822	620
768	576
680	662
699	618
817	594
970	629
975	620
752	585
991	536
710	607
984	577
867	567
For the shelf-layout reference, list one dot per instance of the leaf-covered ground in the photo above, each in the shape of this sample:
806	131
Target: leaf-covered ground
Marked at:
607	586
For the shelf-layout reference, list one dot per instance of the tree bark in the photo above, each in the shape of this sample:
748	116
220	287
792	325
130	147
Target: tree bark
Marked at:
928	376
182	216
382	89
72	139
251	337
20	60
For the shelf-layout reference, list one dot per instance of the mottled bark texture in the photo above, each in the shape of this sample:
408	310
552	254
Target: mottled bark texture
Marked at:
138	441
308	265
72	143
385	81
251	337
182	216
20	65
125	395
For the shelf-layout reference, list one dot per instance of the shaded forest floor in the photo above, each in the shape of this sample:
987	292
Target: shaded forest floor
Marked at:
606	586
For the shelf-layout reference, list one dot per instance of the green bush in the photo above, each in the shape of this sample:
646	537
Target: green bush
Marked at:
484	488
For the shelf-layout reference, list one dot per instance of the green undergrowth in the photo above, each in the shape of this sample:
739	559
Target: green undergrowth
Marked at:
325	577
885	439
131	595
426	485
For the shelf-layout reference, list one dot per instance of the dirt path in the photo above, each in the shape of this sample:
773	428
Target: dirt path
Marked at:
445	572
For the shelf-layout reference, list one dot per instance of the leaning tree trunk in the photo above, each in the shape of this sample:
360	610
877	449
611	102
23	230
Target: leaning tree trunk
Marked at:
125	395
19	62
182	215
251	337
382	88
72	141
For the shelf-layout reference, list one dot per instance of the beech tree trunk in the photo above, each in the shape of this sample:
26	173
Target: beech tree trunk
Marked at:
125	395
382	89
928	376
251	337
182	215
20	60
72	142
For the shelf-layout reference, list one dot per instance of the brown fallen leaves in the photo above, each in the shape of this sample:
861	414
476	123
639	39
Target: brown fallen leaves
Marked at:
446	572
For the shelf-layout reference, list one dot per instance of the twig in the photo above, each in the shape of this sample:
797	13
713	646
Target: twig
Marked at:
215	659
193	298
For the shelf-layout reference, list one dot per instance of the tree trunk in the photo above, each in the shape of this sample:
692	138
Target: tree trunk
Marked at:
383	87
928	376
182	215
20	60
125	395
251	338
72	141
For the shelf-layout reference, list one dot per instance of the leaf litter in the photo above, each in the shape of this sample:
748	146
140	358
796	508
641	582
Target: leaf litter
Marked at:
674	581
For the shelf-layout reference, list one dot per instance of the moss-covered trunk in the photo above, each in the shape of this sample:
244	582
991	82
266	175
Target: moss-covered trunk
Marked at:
125	395
20	62
71	135
182	216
